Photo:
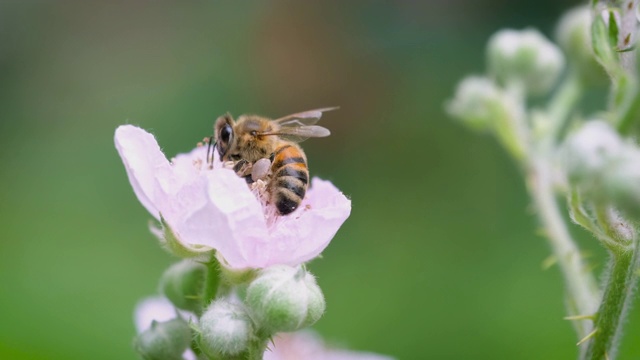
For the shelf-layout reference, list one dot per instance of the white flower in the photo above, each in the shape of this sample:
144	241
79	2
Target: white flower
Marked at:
307	345
208	209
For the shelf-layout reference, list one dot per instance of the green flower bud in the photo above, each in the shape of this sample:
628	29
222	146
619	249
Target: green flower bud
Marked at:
482	105
183	284
525	58
284	298
590	151
164	340
225	329
476	102
604	166
574	37
622	181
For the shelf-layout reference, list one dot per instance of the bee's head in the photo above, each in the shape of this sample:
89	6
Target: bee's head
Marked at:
251	141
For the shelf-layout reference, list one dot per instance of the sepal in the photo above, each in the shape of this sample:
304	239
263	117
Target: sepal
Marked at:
173	245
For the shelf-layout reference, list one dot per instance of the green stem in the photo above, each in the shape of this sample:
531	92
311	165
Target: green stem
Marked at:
629	115
257	348
212	281
581	286
562	104
618	293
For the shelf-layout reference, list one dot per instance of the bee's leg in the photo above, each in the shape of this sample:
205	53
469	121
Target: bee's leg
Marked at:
260	169
243	170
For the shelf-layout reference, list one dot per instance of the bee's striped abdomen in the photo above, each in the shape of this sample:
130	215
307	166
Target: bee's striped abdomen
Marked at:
290	177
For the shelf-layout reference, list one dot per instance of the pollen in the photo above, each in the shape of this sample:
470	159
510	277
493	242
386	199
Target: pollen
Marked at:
260	189
197	163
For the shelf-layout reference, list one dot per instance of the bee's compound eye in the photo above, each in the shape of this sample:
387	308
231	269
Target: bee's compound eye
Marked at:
225	133
235	157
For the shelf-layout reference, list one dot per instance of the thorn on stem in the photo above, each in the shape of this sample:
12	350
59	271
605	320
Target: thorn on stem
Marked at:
549	262
580	317
589	336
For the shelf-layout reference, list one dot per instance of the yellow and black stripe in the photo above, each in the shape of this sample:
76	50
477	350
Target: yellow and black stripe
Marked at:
290	179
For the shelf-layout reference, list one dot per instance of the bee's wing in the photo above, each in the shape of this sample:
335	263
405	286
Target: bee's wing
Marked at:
304	118
301	133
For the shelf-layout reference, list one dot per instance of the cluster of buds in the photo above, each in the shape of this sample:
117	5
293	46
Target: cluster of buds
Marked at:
242	279
590	160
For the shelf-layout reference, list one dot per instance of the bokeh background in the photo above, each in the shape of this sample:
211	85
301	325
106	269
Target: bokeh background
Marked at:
440	259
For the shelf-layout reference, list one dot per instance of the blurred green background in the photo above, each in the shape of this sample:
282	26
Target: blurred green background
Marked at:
440	258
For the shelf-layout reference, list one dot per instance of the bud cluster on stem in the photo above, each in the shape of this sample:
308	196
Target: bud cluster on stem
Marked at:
589	160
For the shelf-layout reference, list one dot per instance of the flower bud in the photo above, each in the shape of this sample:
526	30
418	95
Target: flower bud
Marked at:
476	102
226	329
183	284
590	151
526	58
622	181
284	298
573	34
164	340
606	168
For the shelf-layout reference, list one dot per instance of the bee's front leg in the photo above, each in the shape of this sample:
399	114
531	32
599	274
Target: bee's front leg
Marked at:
242	168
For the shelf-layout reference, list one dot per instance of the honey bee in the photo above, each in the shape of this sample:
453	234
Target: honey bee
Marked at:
263	148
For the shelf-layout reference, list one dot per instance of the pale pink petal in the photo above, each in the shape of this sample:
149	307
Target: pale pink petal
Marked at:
189	213
146	166
307	345
154	308
240	224
160	309
176	191
189	355
304	234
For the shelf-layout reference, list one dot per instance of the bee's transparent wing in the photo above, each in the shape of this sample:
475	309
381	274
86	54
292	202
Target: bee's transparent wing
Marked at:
304	118
301	133
299	127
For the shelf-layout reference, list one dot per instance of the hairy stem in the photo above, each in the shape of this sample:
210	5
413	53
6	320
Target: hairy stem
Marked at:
581	286
618	293
257	349
212	281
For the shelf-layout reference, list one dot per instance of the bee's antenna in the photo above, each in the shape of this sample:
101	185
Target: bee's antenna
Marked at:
211	151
